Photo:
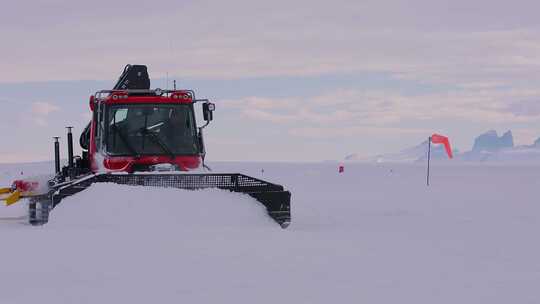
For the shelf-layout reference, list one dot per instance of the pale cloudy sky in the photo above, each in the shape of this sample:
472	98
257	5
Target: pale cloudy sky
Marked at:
292	80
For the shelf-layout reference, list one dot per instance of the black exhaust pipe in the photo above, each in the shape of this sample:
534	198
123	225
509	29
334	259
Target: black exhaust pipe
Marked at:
70	147
56	155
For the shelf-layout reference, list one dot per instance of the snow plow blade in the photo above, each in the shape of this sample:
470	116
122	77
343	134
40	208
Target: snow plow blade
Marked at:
272	196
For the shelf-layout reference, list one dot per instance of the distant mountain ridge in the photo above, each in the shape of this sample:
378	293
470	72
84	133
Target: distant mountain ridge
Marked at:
487	147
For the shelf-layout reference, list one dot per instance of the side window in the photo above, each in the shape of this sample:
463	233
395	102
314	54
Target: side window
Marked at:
100	126
94	119
190	125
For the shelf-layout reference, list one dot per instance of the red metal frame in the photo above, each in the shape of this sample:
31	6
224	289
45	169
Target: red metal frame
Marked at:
126	164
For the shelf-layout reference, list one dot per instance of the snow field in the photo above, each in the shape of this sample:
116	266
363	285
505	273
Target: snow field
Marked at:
374	234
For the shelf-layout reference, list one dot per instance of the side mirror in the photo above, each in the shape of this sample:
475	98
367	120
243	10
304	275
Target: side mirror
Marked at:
208	111
92	102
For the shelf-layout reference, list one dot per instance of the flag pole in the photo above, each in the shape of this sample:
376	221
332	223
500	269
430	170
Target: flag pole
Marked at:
428	158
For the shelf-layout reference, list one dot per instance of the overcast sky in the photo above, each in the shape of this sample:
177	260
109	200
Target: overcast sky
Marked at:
292	80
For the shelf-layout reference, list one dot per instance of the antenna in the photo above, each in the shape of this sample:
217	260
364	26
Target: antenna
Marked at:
170	58
174	84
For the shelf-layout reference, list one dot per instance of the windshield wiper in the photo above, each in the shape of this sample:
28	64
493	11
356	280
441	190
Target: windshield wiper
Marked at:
125	141
158	141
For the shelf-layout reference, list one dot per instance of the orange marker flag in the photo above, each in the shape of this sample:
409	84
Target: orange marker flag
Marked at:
440	139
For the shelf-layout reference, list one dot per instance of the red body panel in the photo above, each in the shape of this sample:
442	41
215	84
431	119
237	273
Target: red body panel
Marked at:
25	186
144	100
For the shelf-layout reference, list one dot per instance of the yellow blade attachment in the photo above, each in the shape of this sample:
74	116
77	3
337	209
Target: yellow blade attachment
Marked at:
12	198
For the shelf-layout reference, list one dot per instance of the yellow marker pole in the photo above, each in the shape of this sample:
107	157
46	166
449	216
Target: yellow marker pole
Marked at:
5	190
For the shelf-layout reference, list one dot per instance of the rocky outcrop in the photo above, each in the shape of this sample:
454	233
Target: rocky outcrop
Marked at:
491	142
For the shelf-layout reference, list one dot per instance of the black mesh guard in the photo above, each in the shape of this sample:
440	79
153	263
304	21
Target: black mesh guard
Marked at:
233	182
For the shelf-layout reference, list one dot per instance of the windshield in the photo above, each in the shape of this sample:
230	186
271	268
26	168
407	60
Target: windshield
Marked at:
167	129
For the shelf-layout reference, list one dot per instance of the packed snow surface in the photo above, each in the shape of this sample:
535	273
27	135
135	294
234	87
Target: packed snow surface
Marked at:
374	234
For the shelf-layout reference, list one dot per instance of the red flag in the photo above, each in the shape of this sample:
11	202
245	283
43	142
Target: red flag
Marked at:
440	139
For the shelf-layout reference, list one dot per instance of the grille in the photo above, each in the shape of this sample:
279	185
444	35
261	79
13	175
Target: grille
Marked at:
233	182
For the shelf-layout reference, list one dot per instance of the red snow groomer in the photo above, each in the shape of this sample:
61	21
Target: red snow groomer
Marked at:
136	134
